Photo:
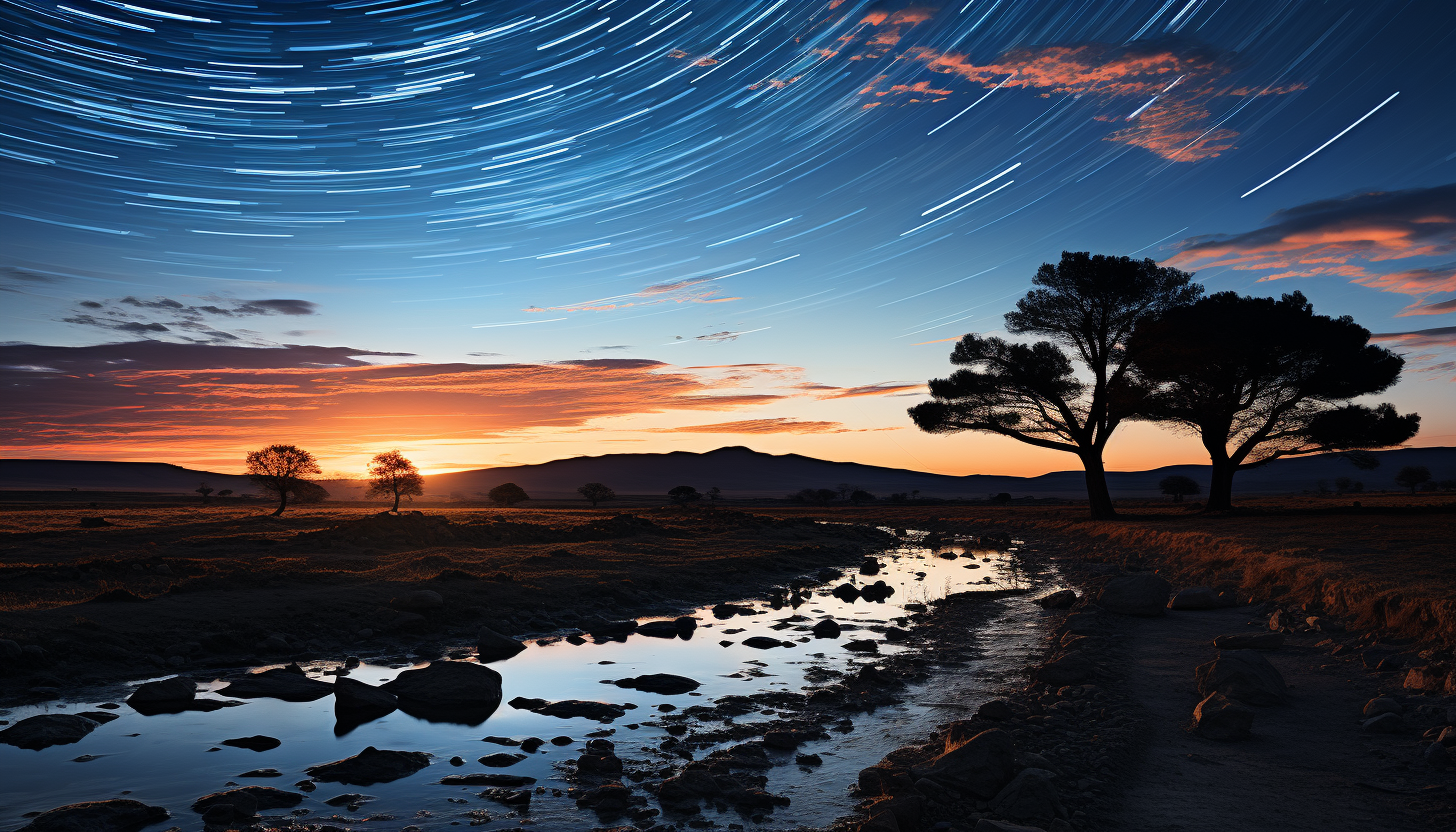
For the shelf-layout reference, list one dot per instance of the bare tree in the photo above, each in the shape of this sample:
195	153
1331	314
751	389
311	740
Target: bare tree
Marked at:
280	469
390	474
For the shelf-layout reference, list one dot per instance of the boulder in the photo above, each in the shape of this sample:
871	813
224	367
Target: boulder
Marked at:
764	643
253	743
98	816
1218	717
1244	675
491	646
1383	724
664	683
982	765
1142	593
176	690
1437	755
354	696
505	780
665	629
602	628
1031	795
1070	669
846	592
284	683
448	685
1250	641
599	757
860	645
370	766
725	610
46	730
995	709
570	708
501	759
262	798
688	786
1426	679
869	566
421	600
1381	705
1060	600
1196	598
828	628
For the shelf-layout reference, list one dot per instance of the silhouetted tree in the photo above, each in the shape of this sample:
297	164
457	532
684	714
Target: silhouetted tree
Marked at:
596	493
1033	393
1412	476
226	492
508	494
859	495
684	494
845	489
713	494
306	492
1178	486
204	489
1000	499
280	469
816	496
391	475
1258	379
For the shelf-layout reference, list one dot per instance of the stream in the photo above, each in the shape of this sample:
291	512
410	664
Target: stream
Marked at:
170	760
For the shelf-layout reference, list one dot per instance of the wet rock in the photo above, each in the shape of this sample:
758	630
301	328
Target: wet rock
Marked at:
448	685
599	757
1218	717
848	593
870	566
1381	705
254	743
1060	600
262	772
995	709
982	765
94	522
1142	593
501	759
487	779
828	628
176	690
46	730
569	708
860	645
352	800
725	611
663	683
609	800
510	797
421	600
1426	679
788	739
491	646
602	628
1324	625
101	717
561	741
530	744
1243	675
1031	795
1070	669
1196	598
284	683
1437	755
808	760
659	629
877	592
764	643
354	696
1383	724
1250	641
370	766
98	816
688	786
260	798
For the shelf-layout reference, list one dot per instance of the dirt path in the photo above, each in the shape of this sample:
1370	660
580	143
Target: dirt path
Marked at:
1308	767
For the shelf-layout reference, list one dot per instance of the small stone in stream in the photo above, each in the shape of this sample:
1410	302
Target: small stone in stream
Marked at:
262	772
530	744
1196	598
896	634
177	689
110	706
449	685
1031	795
763	643
254	743
1060	600
995	709
1070	669
491	646
665	684
501	741
510	797
602	628
808	759
457	761
501	759
1383	724
560	741
725	611
97	816
1142	593
1244	675
599	757
861	645
258	797
1219	718
1381	705
787	739
354	696
278	683
1250	641
86	758
487	779
370	766
305	785
828	628
350	799
46	730
847	593
569	708
659	629
870	566
877	592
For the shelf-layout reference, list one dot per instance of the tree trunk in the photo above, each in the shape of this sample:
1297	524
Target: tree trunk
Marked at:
1221	485
396	502
282	503
1099	499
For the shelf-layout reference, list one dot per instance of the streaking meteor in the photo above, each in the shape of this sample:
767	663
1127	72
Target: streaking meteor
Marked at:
1323	146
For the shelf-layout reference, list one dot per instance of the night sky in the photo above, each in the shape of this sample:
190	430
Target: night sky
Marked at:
494	233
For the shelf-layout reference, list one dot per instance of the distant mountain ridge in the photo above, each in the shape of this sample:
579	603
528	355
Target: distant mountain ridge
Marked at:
738	471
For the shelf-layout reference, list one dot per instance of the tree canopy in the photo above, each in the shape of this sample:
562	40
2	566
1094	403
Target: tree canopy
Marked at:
391	475
508	494
281	469
1413	476
1178	486
1258	379
1086	307
684	494
596	493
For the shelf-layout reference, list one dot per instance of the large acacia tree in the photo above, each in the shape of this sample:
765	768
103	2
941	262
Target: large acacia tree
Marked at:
391	475
1070	391
281	469
1257	379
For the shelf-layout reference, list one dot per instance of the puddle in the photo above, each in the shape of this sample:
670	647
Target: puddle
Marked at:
165	759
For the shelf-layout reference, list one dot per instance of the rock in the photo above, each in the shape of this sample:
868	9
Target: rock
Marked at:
262	772
1381	705
1278	620
262	798
1070	669
1244	675
487	779
254	743
1250	641
370	766
278	683
9	650
787	739
869	566
1437	755
599	757
530	744
448	685
808	760
46	730
847	593
1426	679
491	646
1218	717
176	690
99	717
723	611
995	709
989	825
1447	737
763	643
663	683
354	696
570	708
421	600
1142	593
1060	600
501	759
1325	625
828	628
860	645
1030	795
94	522
1383	724
660	629
981	765
352	800
602	628
877	592
1196	598
688	786
98	816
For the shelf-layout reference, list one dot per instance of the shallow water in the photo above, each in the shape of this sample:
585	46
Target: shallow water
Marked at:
165	759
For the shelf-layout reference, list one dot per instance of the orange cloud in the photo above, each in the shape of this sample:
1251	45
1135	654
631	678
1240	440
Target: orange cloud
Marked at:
761	426
884	388
1440	308
1444	336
